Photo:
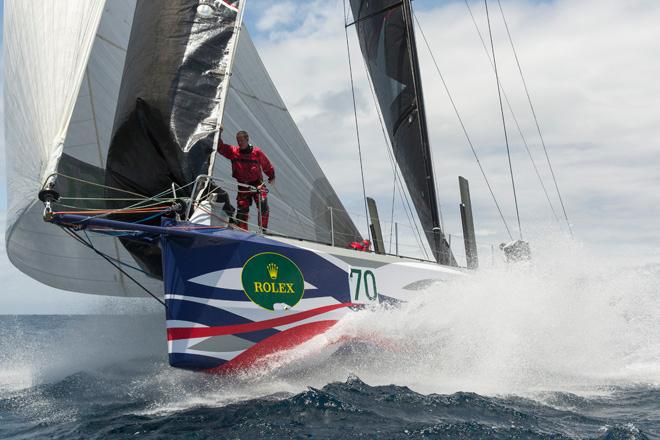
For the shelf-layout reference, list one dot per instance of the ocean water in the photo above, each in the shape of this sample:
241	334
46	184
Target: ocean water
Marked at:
565	347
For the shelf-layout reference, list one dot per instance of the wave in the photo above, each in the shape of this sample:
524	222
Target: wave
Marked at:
111	404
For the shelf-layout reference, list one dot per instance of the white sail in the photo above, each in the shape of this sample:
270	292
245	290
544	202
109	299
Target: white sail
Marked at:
46	45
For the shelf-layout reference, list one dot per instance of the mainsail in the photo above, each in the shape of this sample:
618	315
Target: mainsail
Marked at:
385	32
132	106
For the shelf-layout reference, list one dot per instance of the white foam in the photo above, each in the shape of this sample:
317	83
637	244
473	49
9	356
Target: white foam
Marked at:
568	321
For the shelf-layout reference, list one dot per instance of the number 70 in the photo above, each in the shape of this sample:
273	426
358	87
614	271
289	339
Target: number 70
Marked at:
367	279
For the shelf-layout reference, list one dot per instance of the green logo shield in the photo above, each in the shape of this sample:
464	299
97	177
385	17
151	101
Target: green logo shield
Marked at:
269	278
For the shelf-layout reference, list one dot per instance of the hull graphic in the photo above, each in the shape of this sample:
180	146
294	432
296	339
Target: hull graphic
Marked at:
225	312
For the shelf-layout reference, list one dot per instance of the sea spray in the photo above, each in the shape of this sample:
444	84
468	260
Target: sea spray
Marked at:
569	320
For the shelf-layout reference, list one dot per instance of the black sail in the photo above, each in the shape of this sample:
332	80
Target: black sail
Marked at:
385	32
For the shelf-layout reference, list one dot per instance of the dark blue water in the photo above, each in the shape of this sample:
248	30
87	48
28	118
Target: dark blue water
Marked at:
106	377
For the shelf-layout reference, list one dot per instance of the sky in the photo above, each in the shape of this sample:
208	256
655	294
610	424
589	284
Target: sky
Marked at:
591	67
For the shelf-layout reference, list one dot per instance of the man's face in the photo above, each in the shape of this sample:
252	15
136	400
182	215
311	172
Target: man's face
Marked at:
243	141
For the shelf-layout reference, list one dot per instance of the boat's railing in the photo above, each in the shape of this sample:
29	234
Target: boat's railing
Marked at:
400	239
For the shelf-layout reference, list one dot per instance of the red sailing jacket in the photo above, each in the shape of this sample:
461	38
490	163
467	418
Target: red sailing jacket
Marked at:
247	166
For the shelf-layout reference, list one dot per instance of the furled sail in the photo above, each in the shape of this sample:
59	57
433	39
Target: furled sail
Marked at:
138	105
385	32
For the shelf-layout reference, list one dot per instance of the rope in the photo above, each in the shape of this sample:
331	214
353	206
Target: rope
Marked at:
506	137
118	261
513	115
536	121
142	196
465	132
157	197
357	126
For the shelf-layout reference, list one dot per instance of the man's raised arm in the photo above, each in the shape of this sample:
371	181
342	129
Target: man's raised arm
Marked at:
225	149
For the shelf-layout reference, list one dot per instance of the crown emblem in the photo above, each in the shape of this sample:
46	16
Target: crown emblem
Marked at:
272	270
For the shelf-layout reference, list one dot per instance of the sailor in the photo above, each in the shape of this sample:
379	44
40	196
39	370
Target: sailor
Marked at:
517	250
248	163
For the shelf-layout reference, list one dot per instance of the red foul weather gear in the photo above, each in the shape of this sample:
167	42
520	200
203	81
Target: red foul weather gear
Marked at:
248	167
363	246
244	199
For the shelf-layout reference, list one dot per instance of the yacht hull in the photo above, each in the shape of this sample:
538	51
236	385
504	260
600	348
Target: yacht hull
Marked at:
235	298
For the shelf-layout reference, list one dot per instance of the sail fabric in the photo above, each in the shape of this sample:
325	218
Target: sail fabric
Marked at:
143	116
46	47
386	48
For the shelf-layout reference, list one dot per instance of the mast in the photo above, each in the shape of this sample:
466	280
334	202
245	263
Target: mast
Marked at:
440	249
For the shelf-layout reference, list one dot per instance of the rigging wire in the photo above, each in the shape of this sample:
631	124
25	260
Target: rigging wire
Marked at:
465	132
513	115
506	137
117	260
536	121
357	126
109	260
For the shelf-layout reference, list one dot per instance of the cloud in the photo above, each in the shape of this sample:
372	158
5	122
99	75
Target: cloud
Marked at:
276	16
591	71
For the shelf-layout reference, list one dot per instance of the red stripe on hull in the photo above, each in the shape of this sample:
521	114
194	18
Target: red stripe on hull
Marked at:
281	341
202	332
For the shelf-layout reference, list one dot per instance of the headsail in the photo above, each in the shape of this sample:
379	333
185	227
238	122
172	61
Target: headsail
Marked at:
143	118
385	32
46	49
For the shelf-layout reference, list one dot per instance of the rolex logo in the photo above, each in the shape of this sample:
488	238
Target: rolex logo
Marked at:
272	270
270	279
